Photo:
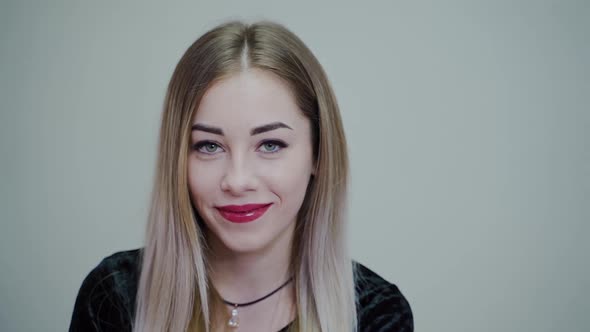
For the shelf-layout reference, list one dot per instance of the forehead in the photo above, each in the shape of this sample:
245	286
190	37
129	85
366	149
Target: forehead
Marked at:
247	99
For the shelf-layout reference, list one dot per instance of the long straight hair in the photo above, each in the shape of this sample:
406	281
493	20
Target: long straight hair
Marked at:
175	292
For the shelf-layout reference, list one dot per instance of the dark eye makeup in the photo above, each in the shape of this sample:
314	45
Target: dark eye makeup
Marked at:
211	147
279	145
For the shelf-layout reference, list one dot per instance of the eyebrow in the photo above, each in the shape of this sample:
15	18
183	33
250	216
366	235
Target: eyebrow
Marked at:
254	131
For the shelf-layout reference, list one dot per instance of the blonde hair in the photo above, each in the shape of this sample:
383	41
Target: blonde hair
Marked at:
174	292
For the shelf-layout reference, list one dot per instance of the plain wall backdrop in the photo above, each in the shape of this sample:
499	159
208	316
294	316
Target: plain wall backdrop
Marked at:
467	124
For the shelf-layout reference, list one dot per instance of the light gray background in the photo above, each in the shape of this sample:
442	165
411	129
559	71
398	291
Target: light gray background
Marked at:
468	129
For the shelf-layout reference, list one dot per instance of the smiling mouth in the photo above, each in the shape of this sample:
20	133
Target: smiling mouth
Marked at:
243	213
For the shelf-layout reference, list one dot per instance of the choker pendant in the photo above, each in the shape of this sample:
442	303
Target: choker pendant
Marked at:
233	320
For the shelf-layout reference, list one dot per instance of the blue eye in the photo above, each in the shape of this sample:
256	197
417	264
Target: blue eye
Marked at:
211	148
207	147
272	146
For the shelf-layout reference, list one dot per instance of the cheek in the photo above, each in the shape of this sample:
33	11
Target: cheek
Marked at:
288	179
201	186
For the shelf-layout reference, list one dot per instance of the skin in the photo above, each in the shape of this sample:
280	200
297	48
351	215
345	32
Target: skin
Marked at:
250	260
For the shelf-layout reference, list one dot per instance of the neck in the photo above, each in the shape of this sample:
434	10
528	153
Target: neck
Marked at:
246	276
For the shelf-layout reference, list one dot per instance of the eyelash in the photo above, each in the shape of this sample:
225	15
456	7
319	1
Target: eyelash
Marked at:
199	145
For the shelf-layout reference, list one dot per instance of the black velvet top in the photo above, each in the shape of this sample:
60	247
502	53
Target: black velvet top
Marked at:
106	300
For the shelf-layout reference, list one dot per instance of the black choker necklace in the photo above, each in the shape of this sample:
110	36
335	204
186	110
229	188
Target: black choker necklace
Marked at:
233	321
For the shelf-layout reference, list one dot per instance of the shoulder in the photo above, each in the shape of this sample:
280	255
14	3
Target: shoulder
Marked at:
106	299
380	304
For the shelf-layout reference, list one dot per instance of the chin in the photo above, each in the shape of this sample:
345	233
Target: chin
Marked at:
245	244
251	240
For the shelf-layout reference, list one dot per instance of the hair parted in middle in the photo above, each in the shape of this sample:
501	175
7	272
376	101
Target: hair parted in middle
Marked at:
175	292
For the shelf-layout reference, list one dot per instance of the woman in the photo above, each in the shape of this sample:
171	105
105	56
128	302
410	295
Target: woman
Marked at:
246	230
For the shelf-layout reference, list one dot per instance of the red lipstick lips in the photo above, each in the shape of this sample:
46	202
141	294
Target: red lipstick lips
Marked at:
243	213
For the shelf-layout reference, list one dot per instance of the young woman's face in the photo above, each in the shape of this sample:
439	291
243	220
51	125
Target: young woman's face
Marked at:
250	161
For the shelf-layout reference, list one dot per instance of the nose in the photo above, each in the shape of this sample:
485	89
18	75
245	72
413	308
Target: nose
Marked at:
238	178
